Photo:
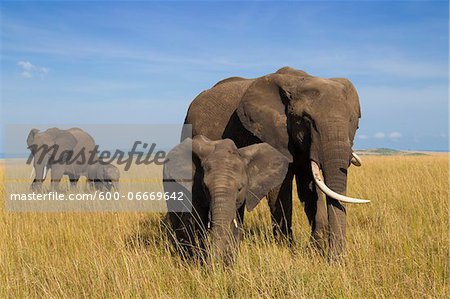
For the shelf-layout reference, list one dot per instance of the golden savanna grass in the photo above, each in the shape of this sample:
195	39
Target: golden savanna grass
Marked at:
397	248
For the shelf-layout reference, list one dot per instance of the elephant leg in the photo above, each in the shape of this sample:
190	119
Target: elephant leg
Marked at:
73	180
36	185
90	184
99	185
201	219
337	228
181	224
280	203
315	209
56	175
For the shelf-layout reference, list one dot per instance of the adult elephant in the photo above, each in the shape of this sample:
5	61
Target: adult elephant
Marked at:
311	120
64	152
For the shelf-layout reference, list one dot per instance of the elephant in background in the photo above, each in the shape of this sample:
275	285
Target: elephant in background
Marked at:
312	121
104	177
61	152
224	177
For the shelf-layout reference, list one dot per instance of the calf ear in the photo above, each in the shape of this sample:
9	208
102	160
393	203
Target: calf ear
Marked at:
266	169
99	172
179	166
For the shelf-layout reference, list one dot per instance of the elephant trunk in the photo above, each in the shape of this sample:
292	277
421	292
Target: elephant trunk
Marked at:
116	185
223	212
335	159
335	162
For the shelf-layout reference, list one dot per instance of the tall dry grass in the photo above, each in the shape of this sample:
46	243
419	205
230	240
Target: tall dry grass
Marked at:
397	248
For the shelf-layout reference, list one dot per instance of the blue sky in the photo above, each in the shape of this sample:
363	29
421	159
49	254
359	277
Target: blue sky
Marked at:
143	62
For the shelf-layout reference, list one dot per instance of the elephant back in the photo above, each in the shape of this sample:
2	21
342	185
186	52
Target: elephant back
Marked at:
210	112
84	139
85	143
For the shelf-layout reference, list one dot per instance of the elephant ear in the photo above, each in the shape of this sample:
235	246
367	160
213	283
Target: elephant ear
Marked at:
179	166
111	172
100	172
66	143
182	172
263	113
31	135
352	94
266	169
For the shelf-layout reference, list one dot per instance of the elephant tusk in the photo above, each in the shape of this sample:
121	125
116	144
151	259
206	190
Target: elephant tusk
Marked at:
45	173
209	219
32	172
235	223
319	182
356	160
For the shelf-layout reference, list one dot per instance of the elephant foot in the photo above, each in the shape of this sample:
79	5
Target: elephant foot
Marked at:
283	236
74	188
36	187
319	240
336	259
57	189
336	252
319	244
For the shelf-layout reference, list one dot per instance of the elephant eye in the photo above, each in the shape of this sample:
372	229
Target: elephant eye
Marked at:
206	167
309	120
312	93
307	116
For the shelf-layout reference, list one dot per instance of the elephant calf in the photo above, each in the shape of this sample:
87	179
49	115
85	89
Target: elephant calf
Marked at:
225	179
103	176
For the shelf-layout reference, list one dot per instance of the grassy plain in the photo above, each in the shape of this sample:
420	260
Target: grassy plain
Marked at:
398	247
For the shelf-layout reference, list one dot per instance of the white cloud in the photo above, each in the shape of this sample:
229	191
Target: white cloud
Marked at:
395	135
380	135
26	65
362	136
29	70
26	74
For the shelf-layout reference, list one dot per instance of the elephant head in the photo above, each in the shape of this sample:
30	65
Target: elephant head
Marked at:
104	176
49	147
229	177
311	117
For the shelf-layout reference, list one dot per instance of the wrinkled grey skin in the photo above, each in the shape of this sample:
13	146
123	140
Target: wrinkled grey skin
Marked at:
103	177
224	178
304	117
72	140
